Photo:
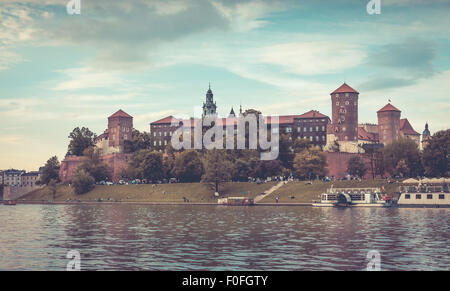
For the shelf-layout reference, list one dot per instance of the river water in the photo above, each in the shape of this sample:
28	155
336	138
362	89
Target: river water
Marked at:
184	237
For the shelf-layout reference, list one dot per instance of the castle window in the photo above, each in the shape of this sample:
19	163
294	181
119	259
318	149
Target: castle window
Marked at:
125	136
337	103
343	129
317	138
298	129
346	94
323	128
310	129
347	103
337	95
154	133
323	138
304	129
160	133
311	138
317	128
154	143
288	129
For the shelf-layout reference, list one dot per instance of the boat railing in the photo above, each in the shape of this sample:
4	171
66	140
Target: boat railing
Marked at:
423	189
354	191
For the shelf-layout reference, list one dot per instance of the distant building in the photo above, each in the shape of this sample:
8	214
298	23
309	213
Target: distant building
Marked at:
30	179
342	133
110	142
426	136
311	125
209	107
12	177
406	130
120	129
388	124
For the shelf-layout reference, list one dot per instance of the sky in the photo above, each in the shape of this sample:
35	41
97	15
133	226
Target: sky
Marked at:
155	58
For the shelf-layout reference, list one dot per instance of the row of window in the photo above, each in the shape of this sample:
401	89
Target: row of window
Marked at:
429	196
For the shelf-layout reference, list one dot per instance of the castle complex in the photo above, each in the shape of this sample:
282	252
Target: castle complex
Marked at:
345	134
340	137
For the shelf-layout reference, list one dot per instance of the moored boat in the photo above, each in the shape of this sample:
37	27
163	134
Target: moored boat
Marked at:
236	201
354	197
9	202
425	193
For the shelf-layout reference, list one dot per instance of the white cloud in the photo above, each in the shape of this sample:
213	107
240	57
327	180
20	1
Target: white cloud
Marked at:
84	78
313	58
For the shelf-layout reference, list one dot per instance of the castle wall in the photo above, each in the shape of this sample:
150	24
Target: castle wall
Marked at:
338	163
116	162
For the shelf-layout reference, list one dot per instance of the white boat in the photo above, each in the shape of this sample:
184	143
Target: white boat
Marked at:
425	193
354	197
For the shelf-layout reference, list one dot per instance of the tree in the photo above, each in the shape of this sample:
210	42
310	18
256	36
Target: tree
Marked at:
139	141
148	165
80	139
402	168
218	168
286	155
301	144
82	182
242	170
310	162
93	165
188	167
402	149
356	166
266	169
50	170
436	156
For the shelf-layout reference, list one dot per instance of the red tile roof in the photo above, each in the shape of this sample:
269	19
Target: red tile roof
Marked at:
364	135
166	120
288	119
345	89
406	127
388	107
121	113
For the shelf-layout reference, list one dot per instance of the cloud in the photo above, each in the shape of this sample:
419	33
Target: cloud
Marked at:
313	58
412	55
412	60
84	78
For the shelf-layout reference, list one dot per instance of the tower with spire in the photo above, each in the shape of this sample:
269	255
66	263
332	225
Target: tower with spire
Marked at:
426	136
209	107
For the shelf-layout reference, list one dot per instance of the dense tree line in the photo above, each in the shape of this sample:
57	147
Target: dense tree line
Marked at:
300	159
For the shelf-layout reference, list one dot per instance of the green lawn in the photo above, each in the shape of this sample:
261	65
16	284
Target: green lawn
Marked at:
195	192
304	193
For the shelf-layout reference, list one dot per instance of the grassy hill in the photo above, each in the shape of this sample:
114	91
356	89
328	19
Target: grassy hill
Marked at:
304	193
195	192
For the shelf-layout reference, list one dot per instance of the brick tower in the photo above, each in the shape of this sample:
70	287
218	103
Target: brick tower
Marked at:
345	113
388	124
120	127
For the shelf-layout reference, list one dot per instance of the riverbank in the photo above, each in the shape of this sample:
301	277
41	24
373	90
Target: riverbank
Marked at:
159	193
298	193
303	192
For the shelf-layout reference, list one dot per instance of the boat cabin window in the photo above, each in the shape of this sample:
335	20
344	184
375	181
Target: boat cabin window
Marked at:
418	196
407	196
429	196
441	196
